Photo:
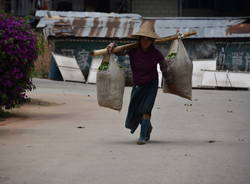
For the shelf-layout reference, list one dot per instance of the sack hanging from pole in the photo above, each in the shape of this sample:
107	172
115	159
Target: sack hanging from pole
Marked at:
110	83
178	79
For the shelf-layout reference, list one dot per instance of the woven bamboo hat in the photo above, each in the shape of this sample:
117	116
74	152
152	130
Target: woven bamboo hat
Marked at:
147	29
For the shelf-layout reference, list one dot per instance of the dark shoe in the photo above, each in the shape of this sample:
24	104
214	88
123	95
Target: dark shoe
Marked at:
141	141
145	124
148	133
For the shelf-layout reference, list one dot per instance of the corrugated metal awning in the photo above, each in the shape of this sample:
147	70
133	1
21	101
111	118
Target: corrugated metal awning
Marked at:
112	25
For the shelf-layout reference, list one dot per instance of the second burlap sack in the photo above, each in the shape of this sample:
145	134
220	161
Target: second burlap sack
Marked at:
110	84
178	79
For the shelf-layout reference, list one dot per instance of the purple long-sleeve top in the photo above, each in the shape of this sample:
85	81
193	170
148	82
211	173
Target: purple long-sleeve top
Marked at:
144	64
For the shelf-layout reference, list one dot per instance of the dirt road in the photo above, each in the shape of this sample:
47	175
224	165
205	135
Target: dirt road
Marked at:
63	137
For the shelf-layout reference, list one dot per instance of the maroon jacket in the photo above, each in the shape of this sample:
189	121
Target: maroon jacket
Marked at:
144	64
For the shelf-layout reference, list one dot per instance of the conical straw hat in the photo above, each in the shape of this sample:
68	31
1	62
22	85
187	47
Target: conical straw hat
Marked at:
147	29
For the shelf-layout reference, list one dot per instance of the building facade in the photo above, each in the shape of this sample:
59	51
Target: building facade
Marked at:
225	39
156	8
146	8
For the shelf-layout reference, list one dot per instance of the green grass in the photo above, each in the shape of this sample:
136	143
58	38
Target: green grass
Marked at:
39	74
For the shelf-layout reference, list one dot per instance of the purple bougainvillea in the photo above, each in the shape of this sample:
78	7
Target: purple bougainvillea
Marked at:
18	52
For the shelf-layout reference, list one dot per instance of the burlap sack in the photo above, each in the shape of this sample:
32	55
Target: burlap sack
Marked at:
178	79
110	84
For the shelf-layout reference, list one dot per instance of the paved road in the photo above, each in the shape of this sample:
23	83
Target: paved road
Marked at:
63	137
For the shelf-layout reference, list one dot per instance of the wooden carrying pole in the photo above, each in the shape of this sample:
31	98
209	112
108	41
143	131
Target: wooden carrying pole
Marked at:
134	45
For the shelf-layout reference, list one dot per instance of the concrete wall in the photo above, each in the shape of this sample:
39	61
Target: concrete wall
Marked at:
155	8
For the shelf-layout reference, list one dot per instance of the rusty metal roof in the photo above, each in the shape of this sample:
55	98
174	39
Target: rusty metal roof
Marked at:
44	13
89	24
112	25
223	27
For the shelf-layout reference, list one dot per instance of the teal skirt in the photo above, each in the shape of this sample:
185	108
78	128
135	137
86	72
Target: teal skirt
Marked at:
141	102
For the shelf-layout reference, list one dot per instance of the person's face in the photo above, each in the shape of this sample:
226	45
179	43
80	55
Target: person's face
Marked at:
145	42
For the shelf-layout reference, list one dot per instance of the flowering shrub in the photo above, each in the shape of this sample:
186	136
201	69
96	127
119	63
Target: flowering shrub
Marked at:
18	52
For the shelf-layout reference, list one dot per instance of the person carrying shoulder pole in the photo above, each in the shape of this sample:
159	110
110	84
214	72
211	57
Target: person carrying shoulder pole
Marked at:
143	61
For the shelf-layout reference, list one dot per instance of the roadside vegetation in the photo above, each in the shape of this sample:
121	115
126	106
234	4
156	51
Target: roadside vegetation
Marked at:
19	48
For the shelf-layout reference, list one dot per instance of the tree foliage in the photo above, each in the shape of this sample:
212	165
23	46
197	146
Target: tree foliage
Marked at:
18	51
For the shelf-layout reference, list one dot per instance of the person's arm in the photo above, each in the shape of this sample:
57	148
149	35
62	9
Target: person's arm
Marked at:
112	45
164	67
163	62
